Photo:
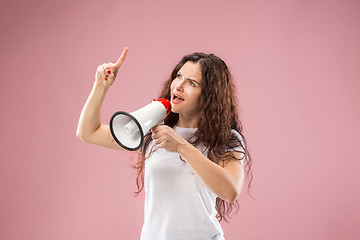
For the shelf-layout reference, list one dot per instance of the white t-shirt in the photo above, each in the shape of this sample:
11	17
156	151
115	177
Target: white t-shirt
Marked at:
178	206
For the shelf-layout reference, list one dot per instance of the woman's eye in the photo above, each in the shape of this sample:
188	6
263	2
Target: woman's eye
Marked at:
178	76
192	84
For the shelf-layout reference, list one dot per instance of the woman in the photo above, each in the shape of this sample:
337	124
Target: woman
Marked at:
192	167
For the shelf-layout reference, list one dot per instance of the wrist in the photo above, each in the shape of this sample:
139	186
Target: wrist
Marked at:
184	147
100	86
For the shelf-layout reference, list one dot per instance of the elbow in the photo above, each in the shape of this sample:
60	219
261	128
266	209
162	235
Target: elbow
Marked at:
79	135
233	197
234	191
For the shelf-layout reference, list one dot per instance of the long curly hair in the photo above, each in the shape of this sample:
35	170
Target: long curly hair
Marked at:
218	115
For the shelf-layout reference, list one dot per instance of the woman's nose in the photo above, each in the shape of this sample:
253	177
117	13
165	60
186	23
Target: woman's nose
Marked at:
179	86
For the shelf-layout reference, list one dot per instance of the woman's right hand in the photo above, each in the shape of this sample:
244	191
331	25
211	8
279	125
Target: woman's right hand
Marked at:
106	73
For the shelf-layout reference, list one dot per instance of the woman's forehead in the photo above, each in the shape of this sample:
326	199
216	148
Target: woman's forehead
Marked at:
191	70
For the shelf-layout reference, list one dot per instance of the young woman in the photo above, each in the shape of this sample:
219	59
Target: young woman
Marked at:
192	167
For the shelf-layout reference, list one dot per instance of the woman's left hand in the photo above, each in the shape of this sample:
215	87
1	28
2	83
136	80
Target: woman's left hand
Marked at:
165	137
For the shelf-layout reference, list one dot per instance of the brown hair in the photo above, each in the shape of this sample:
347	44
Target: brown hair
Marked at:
215	124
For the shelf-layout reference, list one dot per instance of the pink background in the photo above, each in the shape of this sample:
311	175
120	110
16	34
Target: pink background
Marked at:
296	66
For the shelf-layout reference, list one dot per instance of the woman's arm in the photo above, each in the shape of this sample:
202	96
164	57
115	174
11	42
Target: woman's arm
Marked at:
89	127
225	179
226	182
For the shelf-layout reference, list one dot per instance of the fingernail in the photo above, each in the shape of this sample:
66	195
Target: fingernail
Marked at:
108	72
105	78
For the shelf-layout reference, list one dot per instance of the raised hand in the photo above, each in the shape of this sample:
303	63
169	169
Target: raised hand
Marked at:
106	73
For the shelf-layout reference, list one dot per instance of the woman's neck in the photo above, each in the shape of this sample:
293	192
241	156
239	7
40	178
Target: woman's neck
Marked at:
187	121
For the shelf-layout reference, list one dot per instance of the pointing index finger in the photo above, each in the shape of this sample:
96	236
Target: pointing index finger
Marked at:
121	58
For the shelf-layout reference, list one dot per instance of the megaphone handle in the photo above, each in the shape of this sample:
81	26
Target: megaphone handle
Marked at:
160	123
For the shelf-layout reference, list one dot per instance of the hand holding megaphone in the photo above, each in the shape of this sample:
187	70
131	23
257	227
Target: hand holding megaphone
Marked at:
106	73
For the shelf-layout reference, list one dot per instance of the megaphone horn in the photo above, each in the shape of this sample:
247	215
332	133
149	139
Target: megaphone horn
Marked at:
129	129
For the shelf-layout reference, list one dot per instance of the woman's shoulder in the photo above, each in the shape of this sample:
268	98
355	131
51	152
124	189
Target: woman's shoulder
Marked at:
238	146
236	133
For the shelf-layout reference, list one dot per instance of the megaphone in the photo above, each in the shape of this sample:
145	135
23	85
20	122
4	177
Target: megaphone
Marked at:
128	129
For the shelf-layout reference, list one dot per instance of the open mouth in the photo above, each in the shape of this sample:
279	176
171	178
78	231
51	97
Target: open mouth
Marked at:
177	99
175	96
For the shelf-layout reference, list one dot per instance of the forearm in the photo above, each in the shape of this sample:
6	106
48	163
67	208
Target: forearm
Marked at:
215	177
90	119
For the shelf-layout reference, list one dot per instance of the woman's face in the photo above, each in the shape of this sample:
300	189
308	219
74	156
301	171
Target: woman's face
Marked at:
185	89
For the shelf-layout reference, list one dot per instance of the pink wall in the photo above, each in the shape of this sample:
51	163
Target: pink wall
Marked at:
296	65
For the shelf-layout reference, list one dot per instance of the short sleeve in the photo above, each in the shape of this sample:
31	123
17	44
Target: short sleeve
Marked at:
237	148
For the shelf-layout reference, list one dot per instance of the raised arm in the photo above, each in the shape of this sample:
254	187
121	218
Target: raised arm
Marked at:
90	129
